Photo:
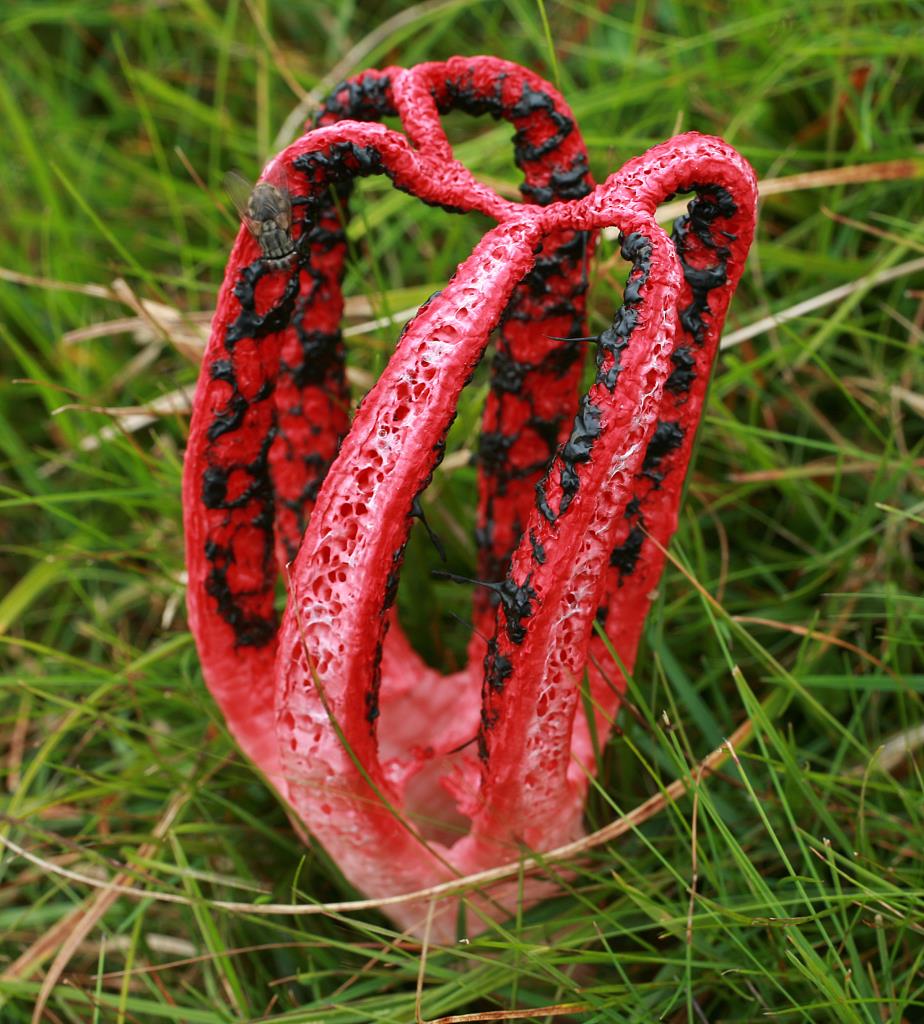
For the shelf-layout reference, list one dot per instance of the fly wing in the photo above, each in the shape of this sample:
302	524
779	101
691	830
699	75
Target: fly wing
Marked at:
274	175
239	191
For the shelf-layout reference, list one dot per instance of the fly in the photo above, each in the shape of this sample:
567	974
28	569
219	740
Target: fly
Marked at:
266	210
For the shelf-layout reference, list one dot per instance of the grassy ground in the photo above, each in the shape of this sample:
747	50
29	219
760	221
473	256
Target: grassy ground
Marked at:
791	885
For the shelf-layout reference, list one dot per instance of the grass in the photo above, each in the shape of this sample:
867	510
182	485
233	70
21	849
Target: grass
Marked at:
787	884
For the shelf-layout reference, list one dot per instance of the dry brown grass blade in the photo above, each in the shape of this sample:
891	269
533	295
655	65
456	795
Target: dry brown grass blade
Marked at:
627	823
694	855
823	468
822	300
911	398
68	934
131	418
17	742
177	401
895	750
815	634
96	291
558	1010
422	970
194	325
871	229
860	174
189	335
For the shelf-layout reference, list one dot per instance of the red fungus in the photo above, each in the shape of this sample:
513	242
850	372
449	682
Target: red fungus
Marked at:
371	748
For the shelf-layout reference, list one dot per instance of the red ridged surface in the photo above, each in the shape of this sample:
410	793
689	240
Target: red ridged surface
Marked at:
371	748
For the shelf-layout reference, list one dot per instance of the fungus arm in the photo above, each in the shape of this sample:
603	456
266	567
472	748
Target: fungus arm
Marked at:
240	474
626	458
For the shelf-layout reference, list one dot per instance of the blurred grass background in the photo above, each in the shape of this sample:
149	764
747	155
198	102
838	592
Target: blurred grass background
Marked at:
792	885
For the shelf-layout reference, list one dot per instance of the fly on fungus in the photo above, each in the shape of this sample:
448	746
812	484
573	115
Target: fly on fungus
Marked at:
577	495
266	210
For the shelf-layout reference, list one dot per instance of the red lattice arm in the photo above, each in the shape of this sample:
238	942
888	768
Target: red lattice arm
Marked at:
712	240
250	469
624	466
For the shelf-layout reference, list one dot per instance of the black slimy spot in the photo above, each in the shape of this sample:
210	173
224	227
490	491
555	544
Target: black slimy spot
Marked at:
533	102
362	99
668	436
214	487
515	597
230	419
494	451
542	499
393	578
249	630
222	369
587	428
321	352
547	429
507	373
516	600
711	202
636	248
684	372
249	323
626	556
570	183
497	667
